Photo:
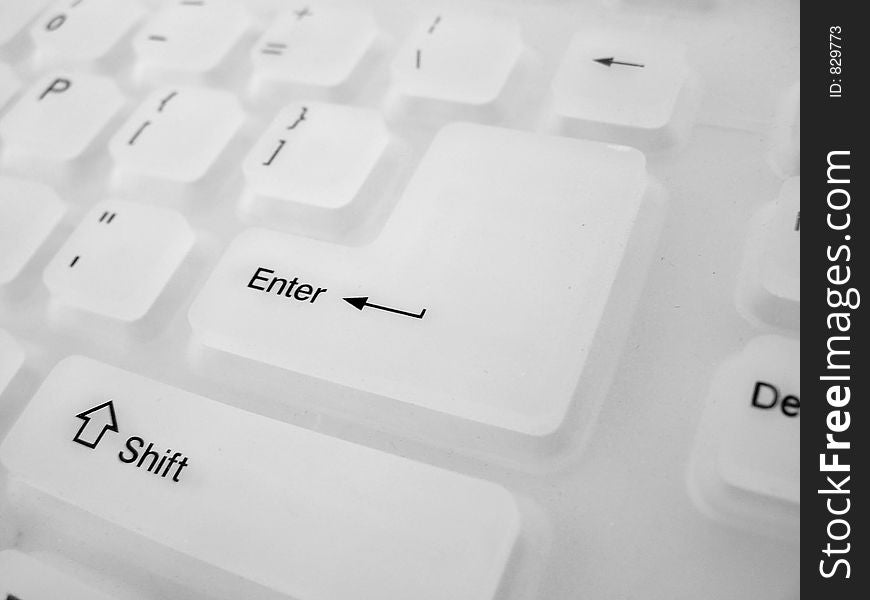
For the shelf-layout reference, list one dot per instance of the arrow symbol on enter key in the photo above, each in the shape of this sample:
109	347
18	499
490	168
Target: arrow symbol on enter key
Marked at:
609	61
97	421
363	301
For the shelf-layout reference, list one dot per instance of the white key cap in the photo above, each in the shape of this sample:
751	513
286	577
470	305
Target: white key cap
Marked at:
9	84
316	154
781	257
177	133
620	80
321	517
15	14
770	286
747	454
318	46
11	359
191	36
29	211
458	58
60	115
510	242
25	578
119	259
81	30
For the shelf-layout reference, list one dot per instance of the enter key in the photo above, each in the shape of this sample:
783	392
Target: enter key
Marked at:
481	297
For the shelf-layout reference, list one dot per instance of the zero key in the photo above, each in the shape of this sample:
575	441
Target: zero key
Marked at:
481	298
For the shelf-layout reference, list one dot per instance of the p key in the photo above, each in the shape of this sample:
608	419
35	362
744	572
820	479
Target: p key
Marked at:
60	115
298	512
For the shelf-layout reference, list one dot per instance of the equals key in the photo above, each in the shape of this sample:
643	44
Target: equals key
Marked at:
275	48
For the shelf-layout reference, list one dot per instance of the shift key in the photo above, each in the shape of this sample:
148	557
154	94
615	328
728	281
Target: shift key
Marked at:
298	512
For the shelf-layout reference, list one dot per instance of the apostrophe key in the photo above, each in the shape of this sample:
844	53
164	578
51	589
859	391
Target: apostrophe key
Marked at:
119	259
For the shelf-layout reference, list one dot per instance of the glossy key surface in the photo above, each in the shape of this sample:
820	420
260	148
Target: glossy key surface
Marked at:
317	45
59	116
298	512
177	133
119	259
316	154
746	462
494	270
83	30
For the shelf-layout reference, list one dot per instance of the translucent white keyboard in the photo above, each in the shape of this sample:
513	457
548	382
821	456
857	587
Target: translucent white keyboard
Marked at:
330	300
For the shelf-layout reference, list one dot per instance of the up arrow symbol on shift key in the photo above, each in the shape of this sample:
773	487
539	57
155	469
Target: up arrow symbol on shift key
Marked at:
97	421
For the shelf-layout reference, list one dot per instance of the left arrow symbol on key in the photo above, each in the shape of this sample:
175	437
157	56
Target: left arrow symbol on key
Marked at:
97	421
